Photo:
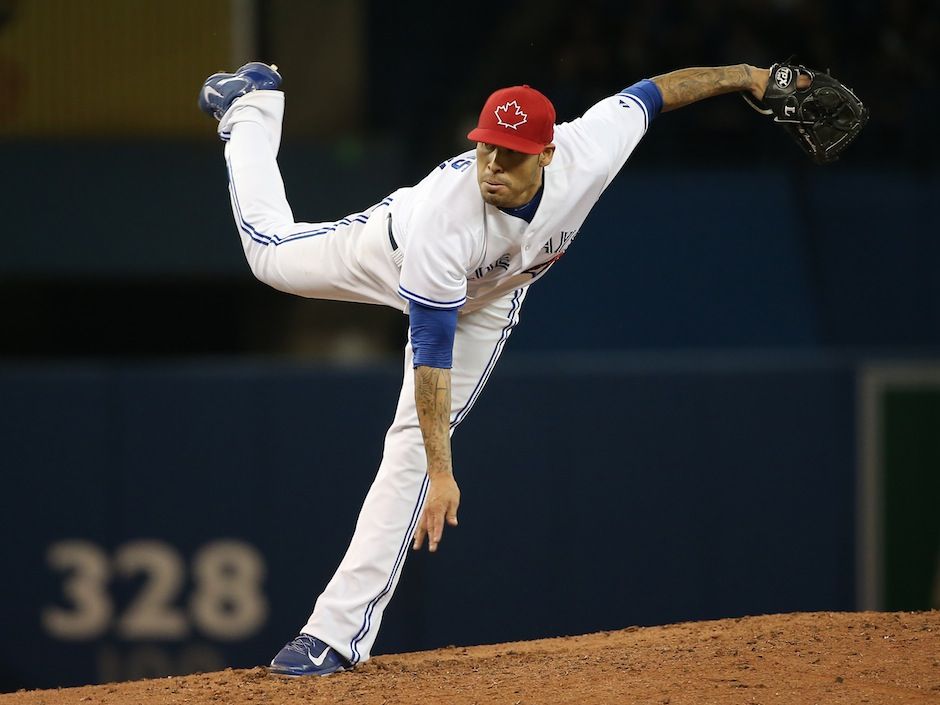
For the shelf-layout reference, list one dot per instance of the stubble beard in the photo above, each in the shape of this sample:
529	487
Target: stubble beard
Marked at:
492	199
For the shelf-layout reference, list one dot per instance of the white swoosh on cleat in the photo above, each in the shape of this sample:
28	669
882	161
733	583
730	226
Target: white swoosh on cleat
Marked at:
320	659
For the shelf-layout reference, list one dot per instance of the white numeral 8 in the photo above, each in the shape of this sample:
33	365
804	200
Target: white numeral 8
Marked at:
228	603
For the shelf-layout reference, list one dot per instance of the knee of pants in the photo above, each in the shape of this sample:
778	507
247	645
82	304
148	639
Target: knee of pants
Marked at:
262	260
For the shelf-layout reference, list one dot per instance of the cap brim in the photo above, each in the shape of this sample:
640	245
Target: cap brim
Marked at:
508	140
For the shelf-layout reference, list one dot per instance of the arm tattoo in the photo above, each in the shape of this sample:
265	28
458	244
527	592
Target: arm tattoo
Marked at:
679	88
432	400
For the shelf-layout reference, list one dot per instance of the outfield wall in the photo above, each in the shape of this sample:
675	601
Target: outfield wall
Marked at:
183	516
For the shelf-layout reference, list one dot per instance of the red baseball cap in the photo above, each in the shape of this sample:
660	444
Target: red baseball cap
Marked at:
518	118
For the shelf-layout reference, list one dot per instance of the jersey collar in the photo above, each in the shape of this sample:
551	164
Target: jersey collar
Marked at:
527	210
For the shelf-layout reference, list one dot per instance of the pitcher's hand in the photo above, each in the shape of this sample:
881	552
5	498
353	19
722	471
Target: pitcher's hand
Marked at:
440	506
761	77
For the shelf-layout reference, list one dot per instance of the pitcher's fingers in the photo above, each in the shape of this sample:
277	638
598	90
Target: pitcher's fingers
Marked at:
435	528
420	533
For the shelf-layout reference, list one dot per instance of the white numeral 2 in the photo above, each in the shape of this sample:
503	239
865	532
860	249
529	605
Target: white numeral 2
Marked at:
152	614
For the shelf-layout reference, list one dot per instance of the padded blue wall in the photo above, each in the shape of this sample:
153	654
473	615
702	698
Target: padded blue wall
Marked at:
598	493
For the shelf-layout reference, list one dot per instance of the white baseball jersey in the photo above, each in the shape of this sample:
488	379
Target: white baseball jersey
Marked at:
459	251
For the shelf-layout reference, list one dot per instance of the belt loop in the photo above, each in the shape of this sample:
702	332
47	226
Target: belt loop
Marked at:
398	257
391	238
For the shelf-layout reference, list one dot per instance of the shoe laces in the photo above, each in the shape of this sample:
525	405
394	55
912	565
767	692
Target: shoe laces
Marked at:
301	644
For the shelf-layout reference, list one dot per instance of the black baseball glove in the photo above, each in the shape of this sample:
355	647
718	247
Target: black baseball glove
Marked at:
823	117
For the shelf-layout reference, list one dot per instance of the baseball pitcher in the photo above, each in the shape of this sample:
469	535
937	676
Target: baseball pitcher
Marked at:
457	252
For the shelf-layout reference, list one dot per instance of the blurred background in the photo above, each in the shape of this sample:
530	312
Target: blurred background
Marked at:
724	401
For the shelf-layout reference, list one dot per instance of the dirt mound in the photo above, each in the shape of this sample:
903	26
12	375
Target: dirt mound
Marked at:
826	657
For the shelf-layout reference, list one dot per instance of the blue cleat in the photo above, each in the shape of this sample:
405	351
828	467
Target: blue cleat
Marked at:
308	656
222	89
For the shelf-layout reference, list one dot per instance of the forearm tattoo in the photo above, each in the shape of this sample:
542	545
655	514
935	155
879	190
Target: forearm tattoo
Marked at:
432	399
679	88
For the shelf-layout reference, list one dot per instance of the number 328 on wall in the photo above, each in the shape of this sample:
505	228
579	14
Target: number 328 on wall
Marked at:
226	602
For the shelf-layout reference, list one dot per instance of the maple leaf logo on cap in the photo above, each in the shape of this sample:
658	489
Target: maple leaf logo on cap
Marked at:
507	118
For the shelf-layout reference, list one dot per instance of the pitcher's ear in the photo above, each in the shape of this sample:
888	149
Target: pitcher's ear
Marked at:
545	158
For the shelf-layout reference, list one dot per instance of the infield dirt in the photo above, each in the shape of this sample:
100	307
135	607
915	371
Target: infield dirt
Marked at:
828	658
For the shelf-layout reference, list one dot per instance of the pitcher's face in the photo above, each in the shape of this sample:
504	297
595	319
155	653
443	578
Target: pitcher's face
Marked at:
507	178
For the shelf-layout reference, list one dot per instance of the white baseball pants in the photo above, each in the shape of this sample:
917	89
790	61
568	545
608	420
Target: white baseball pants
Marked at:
351	260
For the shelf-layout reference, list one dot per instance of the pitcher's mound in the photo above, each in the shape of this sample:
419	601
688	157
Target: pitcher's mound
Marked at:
825	657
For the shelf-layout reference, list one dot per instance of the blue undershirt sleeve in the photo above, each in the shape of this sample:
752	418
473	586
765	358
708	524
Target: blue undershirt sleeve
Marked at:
648	93
432	335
